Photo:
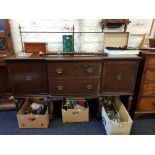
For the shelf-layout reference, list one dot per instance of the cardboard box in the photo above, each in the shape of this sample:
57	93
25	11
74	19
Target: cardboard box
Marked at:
119	128
75	115
116	39
31	121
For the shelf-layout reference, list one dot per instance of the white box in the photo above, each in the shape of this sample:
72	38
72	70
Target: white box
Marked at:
119	128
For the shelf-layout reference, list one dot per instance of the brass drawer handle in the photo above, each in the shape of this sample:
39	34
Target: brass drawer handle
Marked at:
90	70
60	88
119	77
59	71
89	87
28	77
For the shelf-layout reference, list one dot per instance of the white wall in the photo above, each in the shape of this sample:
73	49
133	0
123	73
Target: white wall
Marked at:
83	42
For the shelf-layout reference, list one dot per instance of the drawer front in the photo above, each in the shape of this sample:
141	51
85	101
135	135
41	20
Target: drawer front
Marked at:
74	69
148	89
74	87
119	76
151	62
29	77
147	104
149	75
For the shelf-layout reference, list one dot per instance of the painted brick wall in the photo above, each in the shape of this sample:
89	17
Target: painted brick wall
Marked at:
83	42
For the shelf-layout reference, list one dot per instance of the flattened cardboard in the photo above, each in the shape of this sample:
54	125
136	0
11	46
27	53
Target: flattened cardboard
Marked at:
116	39
120	128
32	121
75	115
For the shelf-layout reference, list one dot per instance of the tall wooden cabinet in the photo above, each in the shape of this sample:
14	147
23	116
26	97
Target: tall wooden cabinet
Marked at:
146	84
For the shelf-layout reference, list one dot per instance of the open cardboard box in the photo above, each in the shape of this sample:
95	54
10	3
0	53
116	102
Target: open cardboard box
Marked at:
31	121
119	128
75	115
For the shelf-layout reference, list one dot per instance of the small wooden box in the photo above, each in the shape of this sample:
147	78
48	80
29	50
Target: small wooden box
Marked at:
31	47
32	121
116	39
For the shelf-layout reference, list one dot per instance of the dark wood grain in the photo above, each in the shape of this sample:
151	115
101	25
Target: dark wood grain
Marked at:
28	77
119	76
74	86
86	76
74	69
5	86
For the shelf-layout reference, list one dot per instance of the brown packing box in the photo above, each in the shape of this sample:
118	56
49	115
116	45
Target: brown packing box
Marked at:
119	128
32	121
75	115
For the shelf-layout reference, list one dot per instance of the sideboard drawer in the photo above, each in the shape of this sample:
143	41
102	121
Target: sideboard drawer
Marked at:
119	76
149	75
74	69
148	89
74	87
146	104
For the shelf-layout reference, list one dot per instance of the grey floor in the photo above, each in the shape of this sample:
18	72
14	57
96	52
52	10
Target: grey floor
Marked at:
9	126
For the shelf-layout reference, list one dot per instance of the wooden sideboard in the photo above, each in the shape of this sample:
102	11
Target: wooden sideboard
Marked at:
79	76
145	87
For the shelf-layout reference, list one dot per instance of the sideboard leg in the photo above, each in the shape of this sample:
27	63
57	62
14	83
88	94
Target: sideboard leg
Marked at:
99	107
50	108
129	103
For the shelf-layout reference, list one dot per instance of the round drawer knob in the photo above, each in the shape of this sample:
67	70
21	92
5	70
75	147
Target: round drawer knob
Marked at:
59	71
90	70
28	77
89	87
119	77
60	88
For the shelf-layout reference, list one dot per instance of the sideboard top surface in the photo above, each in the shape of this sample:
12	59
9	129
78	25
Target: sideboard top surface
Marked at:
36	56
